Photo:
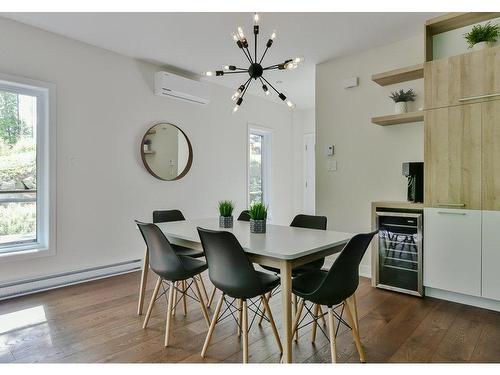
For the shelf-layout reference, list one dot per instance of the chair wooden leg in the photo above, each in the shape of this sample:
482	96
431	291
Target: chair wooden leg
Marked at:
202	283
152	302
175	285
314	323
295	305
271	320
212	326
355	334
320	310
211	299
331	329
351	301
170	305
268	296
202	303
244	329
144	281
240	316
298	314
184	298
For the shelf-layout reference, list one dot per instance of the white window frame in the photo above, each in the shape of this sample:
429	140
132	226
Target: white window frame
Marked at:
45	93
267	135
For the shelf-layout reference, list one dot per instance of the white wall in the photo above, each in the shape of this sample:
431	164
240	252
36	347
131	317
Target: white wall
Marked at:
105	103
303	122
369	157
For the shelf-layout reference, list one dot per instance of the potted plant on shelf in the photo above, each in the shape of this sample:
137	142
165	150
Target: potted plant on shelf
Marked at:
258	217
401	98
226	214
482	36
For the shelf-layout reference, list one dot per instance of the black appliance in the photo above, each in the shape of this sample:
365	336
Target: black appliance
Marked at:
414	171
398	251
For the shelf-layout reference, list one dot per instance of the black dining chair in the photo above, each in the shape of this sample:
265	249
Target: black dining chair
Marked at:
309	222
231	271
171	268
167	216
334	288
244	216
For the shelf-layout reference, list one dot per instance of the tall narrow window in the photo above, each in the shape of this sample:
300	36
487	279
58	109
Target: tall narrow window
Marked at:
258	165
24	162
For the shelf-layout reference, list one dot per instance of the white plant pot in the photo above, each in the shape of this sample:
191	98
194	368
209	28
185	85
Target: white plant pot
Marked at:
401	107
481	45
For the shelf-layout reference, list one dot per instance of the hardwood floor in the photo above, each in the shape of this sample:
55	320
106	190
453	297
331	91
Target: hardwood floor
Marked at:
97	322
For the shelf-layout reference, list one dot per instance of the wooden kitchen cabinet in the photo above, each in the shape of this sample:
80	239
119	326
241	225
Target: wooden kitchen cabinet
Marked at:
468	78
491	156
453	157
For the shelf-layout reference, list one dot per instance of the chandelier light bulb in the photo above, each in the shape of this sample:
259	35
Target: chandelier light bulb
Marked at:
241	34
298	59
225	67
235	37
208	74
290	104
256	18
236	107
236	95
273	35
291	65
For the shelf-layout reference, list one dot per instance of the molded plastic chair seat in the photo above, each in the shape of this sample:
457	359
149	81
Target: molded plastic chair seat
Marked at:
192	266
308	267
268	281
187	252
306	284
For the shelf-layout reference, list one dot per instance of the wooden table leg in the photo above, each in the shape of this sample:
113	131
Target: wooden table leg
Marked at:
286	309
144	281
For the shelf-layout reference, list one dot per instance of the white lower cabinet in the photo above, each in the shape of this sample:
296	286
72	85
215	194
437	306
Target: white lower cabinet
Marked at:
491	255
452	250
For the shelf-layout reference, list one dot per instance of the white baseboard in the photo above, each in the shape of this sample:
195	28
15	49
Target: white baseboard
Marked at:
365	270
39	284
484	303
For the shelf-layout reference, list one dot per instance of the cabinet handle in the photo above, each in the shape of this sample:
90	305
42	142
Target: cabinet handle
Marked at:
451	204
451	213
478	97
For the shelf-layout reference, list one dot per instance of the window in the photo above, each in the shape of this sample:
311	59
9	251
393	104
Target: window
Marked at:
259	153
25	213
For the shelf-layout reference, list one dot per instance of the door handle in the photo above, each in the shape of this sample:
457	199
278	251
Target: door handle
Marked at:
451	204
478	97
451	213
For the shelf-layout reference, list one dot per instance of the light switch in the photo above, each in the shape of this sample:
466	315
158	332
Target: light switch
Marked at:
332	165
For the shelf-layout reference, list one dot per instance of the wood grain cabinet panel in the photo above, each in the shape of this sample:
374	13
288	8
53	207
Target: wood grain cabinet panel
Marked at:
468	78
453	157
491	156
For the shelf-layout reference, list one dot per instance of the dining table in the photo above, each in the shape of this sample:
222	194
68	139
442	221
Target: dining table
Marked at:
281	247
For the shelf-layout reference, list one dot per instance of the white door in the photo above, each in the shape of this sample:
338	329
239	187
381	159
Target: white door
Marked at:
452	250
491	255
309	174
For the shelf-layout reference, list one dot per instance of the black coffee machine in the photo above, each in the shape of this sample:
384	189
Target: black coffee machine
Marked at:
414	171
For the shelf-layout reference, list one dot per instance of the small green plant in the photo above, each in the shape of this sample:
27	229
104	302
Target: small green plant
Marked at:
403	96
482	33
226	208
258	211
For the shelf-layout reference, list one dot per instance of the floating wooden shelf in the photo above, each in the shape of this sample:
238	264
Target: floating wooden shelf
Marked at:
391	77
403	118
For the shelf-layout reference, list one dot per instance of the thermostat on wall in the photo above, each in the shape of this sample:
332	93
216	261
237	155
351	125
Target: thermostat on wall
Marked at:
330	150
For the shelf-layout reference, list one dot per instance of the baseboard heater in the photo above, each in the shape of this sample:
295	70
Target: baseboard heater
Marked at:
40	284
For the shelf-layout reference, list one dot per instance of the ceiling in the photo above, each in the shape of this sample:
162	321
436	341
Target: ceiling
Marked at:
196	42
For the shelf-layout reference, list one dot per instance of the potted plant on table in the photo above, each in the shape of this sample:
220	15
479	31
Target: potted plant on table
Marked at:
482	36
226	214
401	98
258	217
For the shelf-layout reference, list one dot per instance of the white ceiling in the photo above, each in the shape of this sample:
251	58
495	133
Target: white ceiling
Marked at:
195	42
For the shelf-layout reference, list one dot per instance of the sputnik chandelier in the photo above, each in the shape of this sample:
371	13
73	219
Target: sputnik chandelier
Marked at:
255	70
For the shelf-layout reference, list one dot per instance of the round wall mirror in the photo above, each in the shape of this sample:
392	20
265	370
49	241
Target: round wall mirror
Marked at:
166	152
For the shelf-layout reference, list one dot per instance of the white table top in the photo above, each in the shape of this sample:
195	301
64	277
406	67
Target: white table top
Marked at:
280	242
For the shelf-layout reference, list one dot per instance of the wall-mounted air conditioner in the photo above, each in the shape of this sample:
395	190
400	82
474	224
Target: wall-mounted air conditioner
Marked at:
177	87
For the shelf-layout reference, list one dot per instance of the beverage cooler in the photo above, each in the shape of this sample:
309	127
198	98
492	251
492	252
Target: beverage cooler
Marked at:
398	251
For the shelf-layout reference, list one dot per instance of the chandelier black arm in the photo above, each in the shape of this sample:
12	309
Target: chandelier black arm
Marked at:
247	56
247	85
277	92
264	54
274	66
255	35
232	72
